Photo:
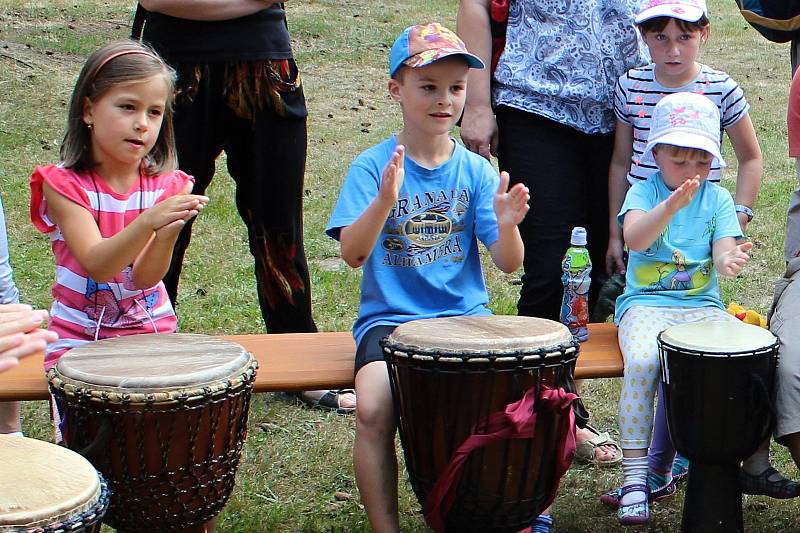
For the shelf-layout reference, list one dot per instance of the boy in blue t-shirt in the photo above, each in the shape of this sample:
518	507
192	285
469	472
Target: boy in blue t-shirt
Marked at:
410	212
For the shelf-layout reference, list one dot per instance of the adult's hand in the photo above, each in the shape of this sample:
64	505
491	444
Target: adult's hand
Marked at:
479	130
20	333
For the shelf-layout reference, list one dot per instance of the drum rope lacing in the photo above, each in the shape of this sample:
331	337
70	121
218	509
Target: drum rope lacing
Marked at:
209	478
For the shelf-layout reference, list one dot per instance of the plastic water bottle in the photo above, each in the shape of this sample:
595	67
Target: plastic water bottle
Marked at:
577	265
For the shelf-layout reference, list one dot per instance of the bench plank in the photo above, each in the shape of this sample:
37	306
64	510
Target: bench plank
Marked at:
307	361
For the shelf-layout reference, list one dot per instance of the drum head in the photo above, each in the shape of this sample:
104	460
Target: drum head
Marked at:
154	362
494	334
718	336
41	483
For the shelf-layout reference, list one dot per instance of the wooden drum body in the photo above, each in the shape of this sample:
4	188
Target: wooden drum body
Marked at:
718	382
449	378
46	488
163	417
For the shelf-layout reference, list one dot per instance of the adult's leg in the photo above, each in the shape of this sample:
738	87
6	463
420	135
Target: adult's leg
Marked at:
198	139
567	174
266	157
374	457
785	323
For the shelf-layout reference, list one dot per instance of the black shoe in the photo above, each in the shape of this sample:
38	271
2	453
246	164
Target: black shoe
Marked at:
781	489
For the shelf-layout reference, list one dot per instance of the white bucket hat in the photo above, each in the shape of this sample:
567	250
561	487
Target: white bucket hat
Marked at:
685	119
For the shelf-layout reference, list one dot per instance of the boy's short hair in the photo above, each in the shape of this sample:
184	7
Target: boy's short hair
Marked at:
681	151
682	10
423	44
687	120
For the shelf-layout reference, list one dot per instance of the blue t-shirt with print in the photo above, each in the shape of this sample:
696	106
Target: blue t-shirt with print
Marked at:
677	269
425	263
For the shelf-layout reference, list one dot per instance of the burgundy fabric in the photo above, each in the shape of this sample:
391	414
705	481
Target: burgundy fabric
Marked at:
498	20
516	421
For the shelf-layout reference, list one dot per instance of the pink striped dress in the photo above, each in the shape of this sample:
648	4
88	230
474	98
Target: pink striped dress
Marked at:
83	309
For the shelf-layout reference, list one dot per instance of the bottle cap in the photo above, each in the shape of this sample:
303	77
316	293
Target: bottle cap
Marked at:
578	237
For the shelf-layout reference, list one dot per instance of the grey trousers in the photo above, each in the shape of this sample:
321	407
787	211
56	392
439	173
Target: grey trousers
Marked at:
784	321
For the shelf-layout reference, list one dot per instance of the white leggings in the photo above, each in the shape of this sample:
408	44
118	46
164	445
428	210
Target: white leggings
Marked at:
638	332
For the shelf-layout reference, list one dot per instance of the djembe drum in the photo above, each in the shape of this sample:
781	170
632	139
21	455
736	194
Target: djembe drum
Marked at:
46	488
486	425
718	378
163	418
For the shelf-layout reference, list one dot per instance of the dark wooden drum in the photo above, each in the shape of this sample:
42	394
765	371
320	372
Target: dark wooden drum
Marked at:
718	382
486	424
46	488
163	418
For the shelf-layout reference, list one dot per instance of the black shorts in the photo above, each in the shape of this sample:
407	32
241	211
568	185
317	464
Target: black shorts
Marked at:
369	349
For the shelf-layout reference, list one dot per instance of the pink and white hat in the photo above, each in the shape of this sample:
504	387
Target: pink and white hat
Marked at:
688	10
690	120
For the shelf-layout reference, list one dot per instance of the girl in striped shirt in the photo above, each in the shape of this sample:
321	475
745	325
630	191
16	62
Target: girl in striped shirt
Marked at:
114	205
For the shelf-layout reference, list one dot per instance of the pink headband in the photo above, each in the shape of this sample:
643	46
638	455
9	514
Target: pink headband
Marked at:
116	55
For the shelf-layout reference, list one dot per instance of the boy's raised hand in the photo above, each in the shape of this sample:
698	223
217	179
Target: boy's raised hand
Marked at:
681	196
733	261
510	206
393	175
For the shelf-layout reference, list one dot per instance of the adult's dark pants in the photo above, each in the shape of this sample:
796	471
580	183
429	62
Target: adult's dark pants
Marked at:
255	112
567	174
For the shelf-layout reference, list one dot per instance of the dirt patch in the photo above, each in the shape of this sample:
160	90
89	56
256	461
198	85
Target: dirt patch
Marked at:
23	55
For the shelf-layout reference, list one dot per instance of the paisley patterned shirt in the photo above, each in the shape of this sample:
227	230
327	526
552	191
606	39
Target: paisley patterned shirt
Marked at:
562	59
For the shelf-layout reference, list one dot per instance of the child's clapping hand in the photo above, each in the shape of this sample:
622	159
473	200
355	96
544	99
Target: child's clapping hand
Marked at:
393	176
732	262
681	196
510	206
169	216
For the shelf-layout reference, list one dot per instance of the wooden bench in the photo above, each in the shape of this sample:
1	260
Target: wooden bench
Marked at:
309	361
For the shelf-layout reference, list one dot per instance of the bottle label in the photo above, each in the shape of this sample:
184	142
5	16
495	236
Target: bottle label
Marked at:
577	267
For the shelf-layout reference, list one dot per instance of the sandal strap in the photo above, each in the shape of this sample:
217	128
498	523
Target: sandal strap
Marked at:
636	487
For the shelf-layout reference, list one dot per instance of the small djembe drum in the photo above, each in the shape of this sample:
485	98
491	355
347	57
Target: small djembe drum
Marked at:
46	488
718	381
163	418
484	410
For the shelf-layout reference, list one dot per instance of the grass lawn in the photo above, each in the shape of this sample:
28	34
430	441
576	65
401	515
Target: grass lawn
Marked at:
297	472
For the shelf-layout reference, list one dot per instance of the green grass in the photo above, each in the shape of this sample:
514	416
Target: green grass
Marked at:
297	459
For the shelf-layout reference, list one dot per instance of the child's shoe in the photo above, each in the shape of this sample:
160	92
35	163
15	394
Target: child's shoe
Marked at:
542	524
635	513
612	497
680	468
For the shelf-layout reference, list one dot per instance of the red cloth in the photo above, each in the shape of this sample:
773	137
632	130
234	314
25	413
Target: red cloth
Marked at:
793	116
498	14
516	421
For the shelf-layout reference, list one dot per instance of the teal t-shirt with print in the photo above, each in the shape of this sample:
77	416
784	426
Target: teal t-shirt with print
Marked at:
677	269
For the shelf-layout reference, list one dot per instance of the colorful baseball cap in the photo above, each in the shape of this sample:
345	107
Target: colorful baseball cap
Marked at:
688	10
422	44
690	120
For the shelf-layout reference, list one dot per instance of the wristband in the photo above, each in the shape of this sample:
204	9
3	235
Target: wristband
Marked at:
744	209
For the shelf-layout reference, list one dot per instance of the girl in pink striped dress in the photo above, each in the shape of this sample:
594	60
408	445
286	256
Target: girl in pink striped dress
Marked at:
115	204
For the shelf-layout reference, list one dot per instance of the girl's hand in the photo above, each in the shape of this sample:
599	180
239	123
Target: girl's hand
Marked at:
393	176
615	256
681	196
732	262
177	209
510	206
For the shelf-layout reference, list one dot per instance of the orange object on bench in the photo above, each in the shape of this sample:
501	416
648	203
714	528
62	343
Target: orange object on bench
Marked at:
309	361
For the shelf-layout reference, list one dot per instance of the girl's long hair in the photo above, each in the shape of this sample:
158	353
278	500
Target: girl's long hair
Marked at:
114	64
